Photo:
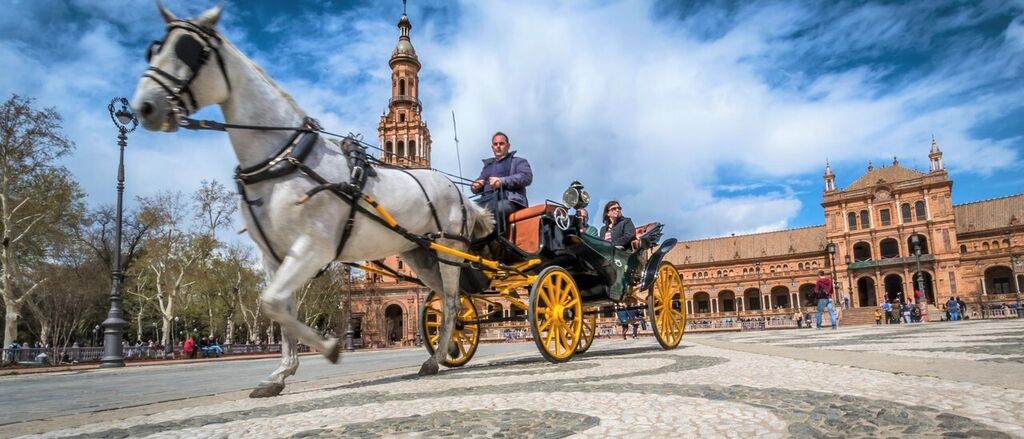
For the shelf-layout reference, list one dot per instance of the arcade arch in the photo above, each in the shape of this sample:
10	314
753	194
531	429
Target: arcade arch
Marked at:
999	280
866	295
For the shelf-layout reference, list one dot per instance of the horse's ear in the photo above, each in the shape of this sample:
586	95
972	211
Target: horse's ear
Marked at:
168	16
209	18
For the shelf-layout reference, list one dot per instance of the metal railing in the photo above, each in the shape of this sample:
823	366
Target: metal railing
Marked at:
71	355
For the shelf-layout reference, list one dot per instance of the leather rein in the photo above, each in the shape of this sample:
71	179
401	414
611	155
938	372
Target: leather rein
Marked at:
195	49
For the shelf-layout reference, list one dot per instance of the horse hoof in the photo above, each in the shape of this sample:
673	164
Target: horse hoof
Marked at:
429	367
333	353
453	350
266	390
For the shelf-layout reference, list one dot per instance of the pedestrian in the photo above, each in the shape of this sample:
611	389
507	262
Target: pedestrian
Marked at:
189	347
878	316
886	307
953	308
623	316
963	309
846	302
906	312
636	323
798	317
823	288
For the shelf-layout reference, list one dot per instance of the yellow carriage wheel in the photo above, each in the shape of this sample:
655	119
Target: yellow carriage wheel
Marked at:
666	306
465	337
589	330
556	314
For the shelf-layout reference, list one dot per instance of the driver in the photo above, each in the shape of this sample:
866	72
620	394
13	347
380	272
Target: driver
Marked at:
505	173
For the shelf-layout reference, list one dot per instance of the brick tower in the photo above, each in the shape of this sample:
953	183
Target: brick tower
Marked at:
403	133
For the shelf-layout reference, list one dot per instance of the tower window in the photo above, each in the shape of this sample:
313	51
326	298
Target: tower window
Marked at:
389	148
401	87
412	148
401	117
401	149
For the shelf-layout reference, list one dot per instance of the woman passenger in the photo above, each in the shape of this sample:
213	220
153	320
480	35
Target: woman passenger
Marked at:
618	229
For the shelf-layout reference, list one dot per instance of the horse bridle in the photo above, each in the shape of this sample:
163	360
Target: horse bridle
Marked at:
194	50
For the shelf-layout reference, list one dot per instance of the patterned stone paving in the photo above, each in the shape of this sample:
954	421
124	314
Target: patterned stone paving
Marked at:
635	389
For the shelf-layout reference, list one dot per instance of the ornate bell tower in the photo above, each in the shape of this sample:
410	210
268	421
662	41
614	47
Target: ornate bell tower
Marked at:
403	133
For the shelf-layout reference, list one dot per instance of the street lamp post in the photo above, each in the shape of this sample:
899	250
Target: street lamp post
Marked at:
832	261
349	333
915	239
1016	261
95	330
760	293
113	354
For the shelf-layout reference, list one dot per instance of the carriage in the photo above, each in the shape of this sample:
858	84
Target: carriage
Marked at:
569	278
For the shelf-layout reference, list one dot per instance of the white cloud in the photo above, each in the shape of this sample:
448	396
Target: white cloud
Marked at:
659	112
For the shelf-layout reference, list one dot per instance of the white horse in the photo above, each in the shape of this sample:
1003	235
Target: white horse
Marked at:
195	67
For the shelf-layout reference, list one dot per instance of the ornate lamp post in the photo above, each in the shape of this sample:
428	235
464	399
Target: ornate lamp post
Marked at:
832	261
95	330
1015	262
915	240
113	355
349	333
760	292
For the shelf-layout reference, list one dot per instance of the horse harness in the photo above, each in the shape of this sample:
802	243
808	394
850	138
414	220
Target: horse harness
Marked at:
290	158
194	49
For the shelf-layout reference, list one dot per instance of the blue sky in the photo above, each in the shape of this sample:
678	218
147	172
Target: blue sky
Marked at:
713	117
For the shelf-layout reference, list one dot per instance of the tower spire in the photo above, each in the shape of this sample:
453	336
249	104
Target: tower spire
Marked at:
935	156
403	133
830	178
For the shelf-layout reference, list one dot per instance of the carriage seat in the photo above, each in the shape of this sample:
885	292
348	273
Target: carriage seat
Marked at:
524	226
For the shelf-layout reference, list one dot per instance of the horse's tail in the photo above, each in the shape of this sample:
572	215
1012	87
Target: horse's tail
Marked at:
481	220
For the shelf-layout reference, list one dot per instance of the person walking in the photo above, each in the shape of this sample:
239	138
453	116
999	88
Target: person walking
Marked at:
954	309
798	317
823	288
886	307
906	312
189	347
623	316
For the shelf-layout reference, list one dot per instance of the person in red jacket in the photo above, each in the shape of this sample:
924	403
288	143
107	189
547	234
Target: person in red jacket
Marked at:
823	290
190	347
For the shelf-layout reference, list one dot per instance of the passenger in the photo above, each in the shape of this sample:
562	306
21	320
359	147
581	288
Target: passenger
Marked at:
503	180
585	227
618	229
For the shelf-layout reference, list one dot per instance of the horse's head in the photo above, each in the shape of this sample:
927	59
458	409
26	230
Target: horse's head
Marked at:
186	72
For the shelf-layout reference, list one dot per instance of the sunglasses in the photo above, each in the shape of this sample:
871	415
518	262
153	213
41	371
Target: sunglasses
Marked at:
615	208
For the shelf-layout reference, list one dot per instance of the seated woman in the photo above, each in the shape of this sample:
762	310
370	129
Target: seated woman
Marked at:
618	229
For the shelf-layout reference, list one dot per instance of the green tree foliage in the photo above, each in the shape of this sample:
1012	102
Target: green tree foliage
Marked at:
40	203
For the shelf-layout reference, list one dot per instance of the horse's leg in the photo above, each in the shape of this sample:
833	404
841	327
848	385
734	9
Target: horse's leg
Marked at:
301	264
426	266
273	384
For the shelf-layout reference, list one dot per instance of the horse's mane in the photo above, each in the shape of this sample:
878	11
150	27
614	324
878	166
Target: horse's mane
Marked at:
263	74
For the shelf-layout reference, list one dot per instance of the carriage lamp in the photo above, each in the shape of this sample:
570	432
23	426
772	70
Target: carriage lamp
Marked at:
575	197
113	354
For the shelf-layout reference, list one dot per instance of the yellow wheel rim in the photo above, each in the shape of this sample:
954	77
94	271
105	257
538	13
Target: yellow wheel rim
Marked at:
589	330
556	314
666	304
466	335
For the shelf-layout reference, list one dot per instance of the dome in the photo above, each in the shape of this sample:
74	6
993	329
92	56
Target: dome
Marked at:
404	47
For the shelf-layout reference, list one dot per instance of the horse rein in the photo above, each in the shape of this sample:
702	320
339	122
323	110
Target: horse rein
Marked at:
194	50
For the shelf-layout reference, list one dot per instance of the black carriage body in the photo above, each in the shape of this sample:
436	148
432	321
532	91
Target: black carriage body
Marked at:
602	272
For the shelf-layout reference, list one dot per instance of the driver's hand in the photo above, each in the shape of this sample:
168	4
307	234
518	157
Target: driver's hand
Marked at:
477	185
495	182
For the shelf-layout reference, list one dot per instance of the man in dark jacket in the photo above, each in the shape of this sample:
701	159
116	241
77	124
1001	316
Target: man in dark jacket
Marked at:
503	174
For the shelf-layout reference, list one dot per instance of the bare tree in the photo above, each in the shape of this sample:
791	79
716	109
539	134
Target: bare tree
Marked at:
39	201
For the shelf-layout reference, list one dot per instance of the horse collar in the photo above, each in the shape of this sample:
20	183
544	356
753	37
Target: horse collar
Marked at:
287	160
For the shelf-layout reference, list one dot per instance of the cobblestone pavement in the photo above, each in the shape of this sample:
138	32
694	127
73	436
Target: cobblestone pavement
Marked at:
635	389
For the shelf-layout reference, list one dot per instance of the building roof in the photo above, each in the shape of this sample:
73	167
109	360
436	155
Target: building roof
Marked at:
758	245
989	214
889	174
